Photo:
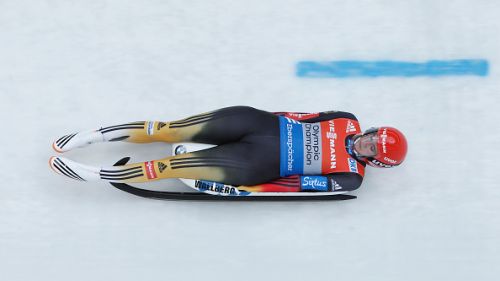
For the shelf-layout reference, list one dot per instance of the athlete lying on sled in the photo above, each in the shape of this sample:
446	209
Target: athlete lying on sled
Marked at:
257	151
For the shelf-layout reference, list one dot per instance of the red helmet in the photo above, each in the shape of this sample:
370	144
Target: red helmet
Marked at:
391	147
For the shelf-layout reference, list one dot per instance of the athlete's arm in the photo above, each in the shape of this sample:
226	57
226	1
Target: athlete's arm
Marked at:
344	181
310	183
316	117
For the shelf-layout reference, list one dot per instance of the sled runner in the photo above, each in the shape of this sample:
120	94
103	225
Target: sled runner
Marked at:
207	190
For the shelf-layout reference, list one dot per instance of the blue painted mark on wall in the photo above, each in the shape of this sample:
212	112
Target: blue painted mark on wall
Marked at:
354	68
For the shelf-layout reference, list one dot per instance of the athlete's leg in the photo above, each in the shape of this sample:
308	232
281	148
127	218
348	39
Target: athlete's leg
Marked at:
234	163
216	127
219	164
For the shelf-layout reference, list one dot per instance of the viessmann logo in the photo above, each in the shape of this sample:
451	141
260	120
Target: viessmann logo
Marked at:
332	136
384	140
301	116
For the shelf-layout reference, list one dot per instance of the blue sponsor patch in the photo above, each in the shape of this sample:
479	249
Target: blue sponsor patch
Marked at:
313	183
349	146
353	167
291	147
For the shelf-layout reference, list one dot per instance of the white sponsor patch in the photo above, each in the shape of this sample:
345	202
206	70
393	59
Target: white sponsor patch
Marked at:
312	148
151	128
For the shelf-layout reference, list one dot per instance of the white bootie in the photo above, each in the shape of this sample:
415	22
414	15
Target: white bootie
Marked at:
69	142
74	170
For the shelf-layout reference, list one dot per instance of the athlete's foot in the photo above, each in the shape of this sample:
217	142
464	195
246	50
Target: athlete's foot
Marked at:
74	170
69	142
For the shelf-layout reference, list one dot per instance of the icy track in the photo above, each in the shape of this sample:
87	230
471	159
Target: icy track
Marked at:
67	66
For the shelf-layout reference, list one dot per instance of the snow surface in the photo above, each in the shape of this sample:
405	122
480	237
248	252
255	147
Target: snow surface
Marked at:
67	66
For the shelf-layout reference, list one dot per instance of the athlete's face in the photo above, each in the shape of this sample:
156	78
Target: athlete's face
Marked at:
366	145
